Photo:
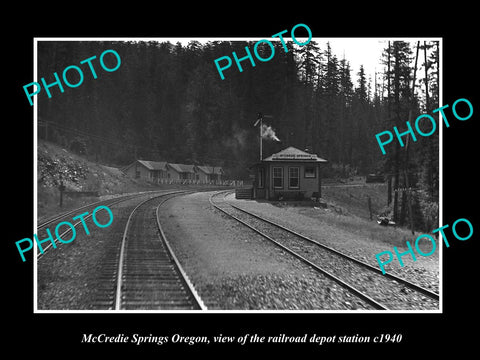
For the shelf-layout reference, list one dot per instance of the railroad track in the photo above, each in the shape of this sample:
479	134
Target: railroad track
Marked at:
41	233
68	214
144	273
382	292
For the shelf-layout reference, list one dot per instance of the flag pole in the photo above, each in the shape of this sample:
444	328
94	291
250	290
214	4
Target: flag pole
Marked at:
260	127
260	121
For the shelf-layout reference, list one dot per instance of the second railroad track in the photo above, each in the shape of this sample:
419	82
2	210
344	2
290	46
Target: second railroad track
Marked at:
382	292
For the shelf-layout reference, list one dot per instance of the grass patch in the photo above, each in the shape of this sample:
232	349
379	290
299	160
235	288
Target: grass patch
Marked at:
353	199
362	229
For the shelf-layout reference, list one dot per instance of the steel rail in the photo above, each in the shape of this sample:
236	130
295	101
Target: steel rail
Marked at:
407	283
179	267
181	272
40	254
65	214
61	216
118	291
47	222
352	289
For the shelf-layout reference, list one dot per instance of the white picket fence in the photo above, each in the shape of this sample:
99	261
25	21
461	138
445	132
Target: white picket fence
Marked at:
234	183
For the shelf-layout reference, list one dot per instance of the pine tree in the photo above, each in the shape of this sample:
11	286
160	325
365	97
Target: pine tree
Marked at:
330	93
360	125
398	76
346	95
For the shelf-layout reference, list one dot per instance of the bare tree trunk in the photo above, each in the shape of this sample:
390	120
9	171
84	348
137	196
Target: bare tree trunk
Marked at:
405	171
396	94
430	165
389	115
427	105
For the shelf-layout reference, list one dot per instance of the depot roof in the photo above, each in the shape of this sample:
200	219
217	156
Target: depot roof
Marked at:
292	153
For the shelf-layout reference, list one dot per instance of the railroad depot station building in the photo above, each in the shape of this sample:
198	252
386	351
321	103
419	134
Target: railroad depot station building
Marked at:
163	172
289	174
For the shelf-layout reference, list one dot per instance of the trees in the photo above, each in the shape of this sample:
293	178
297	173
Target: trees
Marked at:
413	168
398	75
167	102
361	109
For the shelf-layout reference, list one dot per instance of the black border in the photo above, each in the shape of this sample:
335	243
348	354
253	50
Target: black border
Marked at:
58	335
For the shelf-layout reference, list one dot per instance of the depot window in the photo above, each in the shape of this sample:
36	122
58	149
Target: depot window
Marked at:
293	177
310	172
277	177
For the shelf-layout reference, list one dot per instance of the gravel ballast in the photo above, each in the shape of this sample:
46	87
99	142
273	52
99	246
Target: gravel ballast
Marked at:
69	276
233	268
388	292
356	237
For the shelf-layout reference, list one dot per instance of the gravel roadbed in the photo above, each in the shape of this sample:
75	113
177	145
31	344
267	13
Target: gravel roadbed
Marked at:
233	268
393	295
69	276
351	239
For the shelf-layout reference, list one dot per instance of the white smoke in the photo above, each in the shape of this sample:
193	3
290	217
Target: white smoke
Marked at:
269	133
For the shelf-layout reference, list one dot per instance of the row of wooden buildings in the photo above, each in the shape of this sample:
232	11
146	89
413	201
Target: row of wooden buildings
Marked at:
162	171
288	174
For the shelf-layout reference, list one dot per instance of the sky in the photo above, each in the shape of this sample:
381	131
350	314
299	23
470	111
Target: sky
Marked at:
357	51
366	51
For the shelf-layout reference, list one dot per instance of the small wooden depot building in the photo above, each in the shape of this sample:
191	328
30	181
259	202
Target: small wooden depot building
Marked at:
289	174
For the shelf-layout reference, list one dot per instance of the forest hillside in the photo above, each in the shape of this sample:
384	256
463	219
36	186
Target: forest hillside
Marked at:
167	102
